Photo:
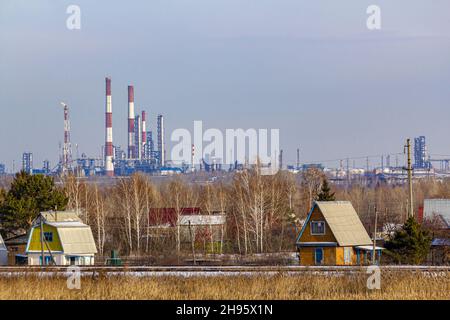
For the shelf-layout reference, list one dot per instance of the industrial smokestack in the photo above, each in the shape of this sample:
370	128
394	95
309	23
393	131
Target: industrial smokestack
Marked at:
109	166
144	134
131	148
137	138
66	161
161	145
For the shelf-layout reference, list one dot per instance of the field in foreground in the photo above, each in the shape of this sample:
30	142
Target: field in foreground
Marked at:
405	285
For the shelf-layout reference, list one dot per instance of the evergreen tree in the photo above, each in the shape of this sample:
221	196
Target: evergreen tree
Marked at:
410	244
325	193
29	195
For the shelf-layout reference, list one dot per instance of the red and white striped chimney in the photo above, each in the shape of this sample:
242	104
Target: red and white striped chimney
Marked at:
131	147
109	166
144	134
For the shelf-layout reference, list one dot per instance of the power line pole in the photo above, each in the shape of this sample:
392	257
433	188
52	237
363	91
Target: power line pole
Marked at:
409	170
348	172
374	238
41	225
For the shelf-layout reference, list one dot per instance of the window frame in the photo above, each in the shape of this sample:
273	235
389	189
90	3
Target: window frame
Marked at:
311	228
46	234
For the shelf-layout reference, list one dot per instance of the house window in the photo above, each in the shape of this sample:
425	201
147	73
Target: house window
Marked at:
48	236
347	255
317	227
318	256
73	261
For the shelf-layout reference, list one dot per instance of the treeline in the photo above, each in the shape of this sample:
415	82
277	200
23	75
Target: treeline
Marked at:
263	212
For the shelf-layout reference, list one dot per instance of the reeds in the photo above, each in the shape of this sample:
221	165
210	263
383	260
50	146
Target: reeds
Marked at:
405	285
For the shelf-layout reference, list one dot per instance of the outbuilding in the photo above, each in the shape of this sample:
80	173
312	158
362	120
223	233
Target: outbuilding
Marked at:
17	246
333	234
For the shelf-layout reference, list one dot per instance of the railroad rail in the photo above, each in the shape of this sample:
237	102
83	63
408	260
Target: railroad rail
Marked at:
192	271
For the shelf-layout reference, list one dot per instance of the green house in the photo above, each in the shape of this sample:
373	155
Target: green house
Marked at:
66	240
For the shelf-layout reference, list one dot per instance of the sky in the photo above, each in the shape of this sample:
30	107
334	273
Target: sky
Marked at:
311	69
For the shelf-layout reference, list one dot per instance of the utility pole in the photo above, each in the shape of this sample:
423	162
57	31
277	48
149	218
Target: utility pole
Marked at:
42	239
281	160
409	170
348	172
374	238
192	242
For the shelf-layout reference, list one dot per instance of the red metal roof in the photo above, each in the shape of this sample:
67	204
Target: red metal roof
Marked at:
168	216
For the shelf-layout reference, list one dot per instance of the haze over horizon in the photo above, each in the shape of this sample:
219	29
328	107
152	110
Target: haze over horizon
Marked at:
309	68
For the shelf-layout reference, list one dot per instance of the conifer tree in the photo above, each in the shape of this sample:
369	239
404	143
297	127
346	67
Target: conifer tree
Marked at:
410	244
325	192
29	195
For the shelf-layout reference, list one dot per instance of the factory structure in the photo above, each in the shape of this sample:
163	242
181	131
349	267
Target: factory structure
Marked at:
388	167
140	154
146	152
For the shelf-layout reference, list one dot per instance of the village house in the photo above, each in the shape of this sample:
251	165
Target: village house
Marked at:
437	210
194	226
3	253
334	235
436	213
66	240
17	245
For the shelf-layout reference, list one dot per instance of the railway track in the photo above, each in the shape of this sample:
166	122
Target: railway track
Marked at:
192	271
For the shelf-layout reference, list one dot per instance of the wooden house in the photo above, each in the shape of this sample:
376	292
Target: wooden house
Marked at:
66	240
334	235
191	224
17	246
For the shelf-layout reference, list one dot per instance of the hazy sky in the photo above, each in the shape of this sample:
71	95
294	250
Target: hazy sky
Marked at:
310	68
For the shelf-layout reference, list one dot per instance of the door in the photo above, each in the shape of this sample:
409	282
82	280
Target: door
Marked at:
318	256
47	259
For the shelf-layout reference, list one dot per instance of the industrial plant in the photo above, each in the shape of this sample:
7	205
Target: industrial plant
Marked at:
140	154
144	154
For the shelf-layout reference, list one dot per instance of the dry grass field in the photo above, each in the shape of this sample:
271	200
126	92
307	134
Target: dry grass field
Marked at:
393	286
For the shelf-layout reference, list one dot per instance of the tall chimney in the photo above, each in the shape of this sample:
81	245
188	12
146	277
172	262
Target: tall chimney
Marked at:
137	138
144	134
161	145
109	166
67	148
131	148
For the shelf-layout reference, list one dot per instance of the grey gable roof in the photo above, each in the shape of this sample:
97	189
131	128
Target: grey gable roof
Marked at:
344	222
